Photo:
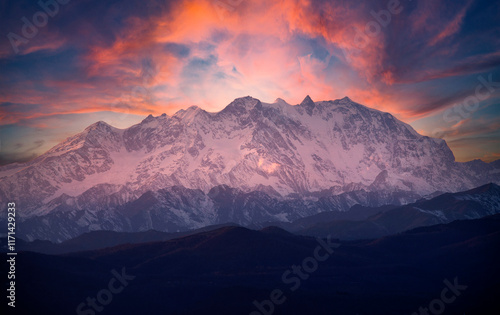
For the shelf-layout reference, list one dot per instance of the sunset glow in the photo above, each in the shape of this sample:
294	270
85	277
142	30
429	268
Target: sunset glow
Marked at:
121	61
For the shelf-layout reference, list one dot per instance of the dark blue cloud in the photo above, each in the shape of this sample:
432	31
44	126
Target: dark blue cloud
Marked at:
178	50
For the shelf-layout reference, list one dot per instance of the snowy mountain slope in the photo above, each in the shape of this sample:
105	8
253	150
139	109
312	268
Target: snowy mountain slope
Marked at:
293	149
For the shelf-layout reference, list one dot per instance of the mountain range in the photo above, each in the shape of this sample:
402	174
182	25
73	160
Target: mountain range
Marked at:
251	162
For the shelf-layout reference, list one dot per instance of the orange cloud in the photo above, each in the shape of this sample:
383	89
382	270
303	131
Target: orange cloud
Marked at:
256	43
237	48
244	48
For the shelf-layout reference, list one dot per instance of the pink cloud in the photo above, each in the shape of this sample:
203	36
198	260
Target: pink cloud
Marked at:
452	27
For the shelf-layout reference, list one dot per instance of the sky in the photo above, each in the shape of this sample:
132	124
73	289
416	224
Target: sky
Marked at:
67	64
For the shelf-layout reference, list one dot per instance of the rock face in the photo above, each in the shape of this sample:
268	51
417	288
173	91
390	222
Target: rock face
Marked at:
311	150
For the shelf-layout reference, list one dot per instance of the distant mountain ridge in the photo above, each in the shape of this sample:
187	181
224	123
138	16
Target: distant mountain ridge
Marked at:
472	204
179	209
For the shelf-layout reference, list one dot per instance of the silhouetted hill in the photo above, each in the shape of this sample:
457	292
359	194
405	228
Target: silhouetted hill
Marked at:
224	270
101	239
